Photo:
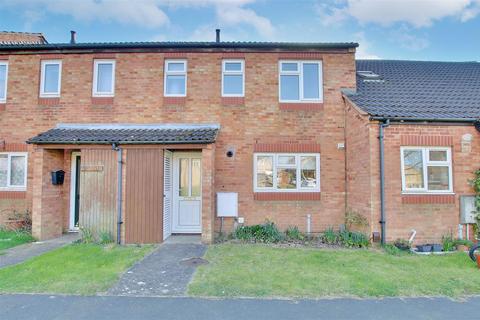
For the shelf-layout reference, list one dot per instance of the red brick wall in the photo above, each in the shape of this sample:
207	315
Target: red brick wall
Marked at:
139	99
431	216
358	163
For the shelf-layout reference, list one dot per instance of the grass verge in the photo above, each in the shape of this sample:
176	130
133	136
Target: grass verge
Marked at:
9	239
75	269
263	271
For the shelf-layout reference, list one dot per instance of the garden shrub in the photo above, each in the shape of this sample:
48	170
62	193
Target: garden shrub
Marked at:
355	221
353	239
402	244
267	233
448	243
330	236
293	233
392	249
105	237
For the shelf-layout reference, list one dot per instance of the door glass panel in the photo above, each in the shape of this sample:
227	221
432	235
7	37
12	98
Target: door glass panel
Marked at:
196	177
3	170
17	175
413	163
183	184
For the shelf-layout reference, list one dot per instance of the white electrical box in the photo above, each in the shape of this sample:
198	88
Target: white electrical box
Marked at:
467	209
227	204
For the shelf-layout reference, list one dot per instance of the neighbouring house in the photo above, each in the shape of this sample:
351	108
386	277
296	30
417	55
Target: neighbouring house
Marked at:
425	115
161	138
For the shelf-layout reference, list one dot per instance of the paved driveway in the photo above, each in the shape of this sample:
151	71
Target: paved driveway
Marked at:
34	307
165	272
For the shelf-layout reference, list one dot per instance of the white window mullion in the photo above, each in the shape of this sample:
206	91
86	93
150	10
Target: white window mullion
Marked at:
9	170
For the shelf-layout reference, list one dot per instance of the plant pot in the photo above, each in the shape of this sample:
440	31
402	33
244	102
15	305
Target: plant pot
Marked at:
437	247
424	248
462	248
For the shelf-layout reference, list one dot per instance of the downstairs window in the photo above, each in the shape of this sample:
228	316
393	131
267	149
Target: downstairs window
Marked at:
286	172
426	170
13	171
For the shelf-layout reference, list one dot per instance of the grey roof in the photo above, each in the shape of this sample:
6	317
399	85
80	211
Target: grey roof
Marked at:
181	45
419	90
128	134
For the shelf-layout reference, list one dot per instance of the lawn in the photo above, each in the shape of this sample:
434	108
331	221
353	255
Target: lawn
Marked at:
9	239
263	271
75	269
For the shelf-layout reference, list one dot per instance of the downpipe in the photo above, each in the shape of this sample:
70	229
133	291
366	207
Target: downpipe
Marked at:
115	147
383	219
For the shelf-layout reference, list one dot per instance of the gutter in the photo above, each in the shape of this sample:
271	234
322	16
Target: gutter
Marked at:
115	147
402	119
383	219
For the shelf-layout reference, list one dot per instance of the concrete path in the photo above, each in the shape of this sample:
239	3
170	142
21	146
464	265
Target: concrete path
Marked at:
24	252
116	308
165	272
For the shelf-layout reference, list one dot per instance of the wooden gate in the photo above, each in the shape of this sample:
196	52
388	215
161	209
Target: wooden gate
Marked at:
144	196
98	191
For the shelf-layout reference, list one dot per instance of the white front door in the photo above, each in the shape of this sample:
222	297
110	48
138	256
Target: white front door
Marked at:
187	193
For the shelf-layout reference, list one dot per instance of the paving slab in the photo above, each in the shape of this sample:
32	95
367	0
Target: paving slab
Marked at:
27	251
167	271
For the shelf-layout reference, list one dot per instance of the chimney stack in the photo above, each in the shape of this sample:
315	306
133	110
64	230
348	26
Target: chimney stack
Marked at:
218	35
73	37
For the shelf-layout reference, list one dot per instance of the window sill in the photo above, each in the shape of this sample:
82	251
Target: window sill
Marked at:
102	101
233	101
310	106
287	196
48	101
174	101
428	198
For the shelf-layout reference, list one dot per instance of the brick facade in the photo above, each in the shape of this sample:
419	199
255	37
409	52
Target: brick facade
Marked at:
258	119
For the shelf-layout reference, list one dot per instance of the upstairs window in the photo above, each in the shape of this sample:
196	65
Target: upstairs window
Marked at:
301	81
175	78
104	78
233	78
13	171
286	172
426	170
51	78
3	81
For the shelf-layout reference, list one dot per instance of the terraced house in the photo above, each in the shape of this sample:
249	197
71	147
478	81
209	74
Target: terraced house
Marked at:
146	140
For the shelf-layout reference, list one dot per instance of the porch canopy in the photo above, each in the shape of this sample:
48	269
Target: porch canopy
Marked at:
117	184
128	134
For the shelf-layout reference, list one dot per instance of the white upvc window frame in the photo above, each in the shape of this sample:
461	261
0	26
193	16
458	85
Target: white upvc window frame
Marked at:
175	73
96	93
9	187
5	63
427	163
299	73
44	63
233	73
297	165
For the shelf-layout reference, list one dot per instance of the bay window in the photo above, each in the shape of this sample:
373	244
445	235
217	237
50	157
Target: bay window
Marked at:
285	172
426	170
13	171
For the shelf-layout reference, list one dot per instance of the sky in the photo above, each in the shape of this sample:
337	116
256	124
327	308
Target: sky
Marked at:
445	30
